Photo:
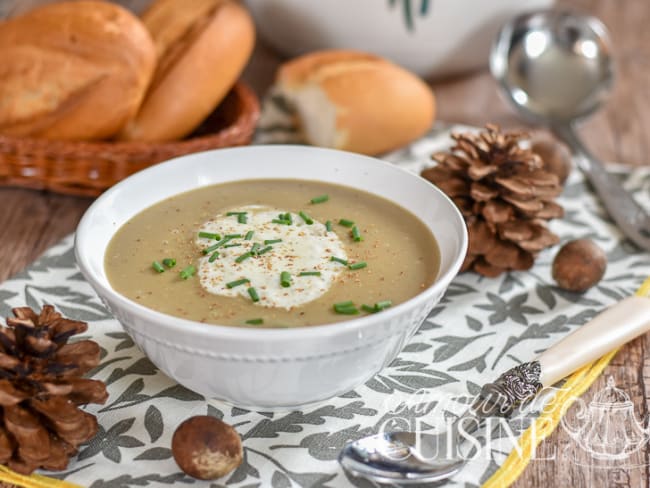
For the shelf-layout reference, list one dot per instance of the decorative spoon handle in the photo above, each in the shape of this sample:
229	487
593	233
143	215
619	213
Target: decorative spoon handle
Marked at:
630	217
612	328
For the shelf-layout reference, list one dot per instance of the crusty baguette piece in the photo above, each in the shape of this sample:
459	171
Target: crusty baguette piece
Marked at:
73	70
202	50
356	101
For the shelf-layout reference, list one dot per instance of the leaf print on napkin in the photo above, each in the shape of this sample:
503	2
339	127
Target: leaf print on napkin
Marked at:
535	331
131	396
243	471
514	309
326	446
416	347
49	261
153	422
280	480
546	295
419	377
125	340
128	481
477	363
154	454
109	442
293	421
307	480
72	304
453	345
5	308
141	367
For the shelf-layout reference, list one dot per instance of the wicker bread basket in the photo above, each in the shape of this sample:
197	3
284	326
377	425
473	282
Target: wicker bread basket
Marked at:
88	168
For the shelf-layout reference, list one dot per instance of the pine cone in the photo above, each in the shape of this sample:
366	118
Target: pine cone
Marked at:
505	195
41	388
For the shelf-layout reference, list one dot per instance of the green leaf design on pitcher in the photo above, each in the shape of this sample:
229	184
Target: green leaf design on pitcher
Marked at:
410	9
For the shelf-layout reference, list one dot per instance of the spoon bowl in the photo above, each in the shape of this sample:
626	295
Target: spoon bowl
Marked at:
554	65
556	68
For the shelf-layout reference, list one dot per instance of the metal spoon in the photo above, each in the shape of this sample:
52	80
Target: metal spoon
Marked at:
412	457
556	68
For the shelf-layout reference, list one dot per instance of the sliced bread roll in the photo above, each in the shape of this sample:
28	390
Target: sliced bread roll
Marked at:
73	70
355	101
202	49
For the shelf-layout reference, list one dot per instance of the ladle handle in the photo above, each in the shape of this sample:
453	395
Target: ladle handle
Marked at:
624	210
610	329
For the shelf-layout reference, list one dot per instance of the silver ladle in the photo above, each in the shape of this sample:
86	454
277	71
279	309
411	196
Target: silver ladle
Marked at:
417	457
556	68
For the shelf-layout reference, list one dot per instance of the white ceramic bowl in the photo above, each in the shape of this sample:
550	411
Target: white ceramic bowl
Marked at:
430	37
270	368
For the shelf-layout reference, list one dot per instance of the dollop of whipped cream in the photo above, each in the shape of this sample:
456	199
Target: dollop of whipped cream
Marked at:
303	248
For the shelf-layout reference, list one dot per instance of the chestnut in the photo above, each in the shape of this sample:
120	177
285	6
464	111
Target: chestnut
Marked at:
206	448
579	265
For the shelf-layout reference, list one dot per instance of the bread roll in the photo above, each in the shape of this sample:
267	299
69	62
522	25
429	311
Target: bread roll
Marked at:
356	101
202	50
73	70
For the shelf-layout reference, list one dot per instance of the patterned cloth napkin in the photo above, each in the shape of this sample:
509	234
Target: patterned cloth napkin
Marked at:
481	328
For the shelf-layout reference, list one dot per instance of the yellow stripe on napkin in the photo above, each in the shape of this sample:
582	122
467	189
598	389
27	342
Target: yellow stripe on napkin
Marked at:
575	385
33	481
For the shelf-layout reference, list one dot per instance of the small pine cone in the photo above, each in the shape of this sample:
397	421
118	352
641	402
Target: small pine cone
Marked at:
41	387
505	195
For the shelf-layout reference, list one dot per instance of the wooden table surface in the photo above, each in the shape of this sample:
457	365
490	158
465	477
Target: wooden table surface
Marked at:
31	221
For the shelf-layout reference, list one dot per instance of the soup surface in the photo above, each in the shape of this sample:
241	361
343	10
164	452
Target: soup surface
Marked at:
258	253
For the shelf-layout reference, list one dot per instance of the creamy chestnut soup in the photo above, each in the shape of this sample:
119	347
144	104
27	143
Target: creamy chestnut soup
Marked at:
272	253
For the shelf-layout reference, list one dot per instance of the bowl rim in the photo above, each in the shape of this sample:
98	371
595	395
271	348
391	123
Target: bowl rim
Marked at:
267	334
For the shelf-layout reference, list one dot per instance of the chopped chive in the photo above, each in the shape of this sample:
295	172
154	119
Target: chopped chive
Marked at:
346	222
308	220
209	235
383	304
188	272
255	247
272	241
346	310
169	262
328	226
213	247
233	236
377	307
339	260
252	292
285	279
213	256
288	218
242	218
249	235
230	214
309	273
356	235
359	265
265	250
320	199
231	245
235	283
255	321
281	221
243	257
348	303
158	267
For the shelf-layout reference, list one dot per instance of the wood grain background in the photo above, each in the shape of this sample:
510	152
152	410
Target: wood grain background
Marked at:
31	221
